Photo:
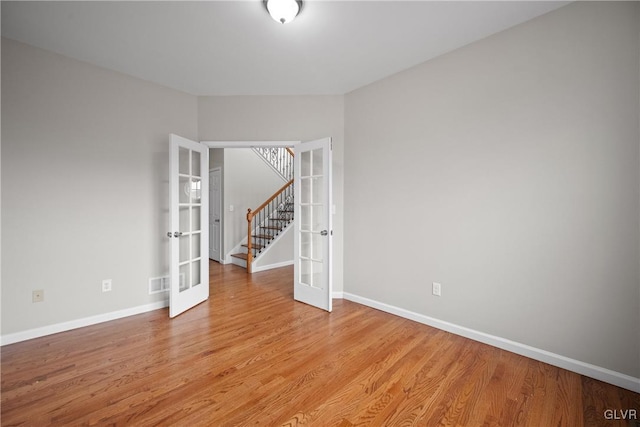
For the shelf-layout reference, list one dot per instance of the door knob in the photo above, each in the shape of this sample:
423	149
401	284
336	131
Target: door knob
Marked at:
177	234
324	233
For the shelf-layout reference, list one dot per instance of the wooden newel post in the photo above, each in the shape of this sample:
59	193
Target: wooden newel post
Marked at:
249	240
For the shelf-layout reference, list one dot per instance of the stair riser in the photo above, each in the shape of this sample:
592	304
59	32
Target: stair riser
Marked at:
239	262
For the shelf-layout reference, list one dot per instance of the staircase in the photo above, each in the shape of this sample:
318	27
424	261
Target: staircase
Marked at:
267	222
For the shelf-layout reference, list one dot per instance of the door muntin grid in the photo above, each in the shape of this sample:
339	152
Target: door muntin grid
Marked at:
313	219
190	224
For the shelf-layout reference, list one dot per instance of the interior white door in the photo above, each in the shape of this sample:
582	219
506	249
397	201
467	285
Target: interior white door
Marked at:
189	212
313	231
215	213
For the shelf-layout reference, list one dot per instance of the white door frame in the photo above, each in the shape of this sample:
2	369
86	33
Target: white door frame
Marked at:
249	144
245	144
264	144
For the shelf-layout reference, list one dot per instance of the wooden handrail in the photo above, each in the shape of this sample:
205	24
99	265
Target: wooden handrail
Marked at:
269	200
290	152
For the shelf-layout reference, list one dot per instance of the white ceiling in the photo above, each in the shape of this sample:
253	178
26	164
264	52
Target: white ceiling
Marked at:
234	48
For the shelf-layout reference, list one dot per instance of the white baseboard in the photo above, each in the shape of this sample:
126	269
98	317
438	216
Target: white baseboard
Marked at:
79	323
612	377
256	269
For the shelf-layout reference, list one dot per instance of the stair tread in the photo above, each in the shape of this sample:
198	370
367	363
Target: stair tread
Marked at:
255	246
262	236
271	227
240	255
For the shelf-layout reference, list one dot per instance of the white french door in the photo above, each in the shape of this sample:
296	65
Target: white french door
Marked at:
188	211
313	230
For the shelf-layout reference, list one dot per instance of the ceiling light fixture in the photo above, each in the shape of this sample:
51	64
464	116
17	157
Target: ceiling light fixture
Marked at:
283	11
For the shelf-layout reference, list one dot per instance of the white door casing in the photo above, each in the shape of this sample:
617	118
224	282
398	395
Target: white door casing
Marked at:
313	224
189	219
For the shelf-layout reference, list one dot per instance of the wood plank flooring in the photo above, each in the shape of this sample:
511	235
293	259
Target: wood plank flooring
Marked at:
251	355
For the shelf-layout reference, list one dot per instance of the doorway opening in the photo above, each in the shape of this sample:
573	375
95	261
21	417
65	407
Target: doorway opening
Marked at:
189	218
243	178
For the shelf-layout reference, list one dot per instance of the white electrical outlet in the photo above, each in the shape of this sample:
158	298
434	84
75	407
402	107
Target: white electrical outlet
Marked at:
37	296
437	289
106	285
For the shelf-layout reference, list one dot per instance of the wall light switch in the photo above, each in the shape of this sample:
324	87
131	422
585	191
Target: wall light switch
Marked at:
230	208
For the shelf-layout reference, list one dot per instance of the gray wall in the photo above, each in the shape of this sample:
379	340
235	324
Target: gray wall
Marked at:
283	118
84	186
509	172
278	253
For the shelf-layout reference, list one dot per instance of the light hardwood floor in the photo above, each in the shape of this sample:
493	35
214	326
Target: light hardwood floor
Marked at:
251	355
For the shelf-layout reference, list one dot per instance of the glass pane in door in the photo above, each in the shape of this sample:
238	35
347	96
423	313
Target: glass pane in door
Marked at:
305	164
185	277
190	198
195	273
195	163
183	161
316	165
184	244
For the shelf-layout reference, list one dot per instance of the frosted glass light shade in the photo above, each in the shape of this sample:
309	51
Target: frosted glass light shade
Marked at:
283	11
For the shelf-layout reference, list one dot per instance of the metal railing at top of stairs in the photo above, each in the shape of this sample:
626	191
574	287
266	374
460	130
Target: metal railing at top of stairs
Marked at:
279	158
268	220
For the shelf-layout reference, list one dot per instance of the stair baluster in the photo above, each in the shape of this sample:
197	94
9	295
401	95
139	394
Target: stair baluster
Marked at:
280	159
